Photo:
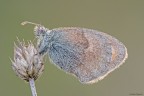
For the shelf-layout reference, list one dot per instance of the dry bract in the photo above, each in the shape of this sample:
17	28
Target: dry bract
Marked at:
27	62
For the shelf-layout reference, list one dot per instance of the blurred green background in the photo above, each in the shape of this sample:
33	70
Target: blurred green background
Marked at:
123	19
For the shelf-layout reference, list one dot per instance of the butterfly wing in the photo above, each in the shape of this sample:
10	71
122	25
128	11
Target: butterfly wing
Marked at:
88	54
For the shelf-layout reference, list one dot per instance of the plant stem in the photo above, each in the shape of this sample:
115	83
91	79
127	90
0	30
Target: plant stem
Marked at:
33	88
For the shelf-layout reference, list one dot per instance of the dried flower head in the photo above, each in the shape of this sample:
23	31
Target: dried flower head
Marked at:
27	62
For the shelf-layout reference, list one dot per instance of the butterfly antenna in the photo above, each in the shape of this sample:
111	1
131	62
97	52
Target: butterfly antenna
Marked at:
27	22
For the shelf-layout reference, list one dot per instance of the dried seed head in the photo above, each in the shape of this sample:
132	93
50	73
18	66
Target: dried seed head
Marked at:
27	62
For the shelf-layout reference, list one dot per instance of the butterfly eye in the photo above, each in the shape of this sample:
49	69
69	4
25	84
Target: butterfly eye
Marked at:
40	30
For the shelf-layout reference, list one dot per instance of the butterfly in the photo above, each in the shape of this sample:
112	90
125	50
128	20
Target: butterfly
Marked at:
88	54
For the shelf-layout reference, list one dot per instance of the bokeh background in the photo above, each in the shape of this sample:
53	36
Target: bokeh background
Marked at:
123	19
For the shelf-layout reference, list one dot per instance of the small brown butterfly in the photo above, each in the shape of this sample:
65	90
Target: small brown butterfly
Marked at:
88	54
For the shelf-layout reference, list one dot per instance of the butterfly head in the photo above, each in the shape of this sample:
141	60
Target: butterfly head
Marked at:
41	34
